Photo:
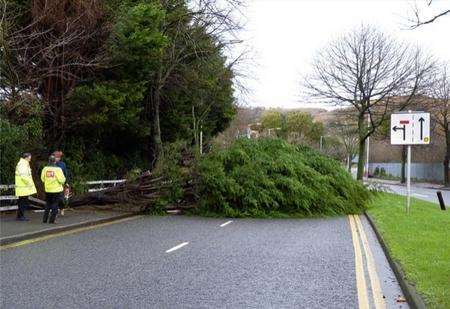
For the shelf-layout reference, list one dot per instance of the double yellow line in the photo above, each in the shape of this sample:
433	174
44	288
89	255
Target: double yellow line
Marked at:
360	240
64	233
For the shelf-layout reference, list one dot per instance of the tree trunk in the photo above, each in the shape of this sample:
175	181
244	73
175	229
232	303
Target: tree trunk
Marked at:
349	163
361	159
156	128
361	146
404	154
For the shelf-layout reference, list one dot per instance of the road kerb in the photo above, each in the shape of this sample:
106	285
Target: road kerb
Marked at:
9	240
412	297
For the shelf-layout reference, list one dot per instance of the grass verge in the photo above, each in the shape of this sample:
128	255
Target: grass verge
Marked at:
419	242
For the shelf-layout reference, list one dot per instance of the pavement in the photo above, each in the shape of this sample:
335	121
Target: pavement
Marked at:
420	191
10	228
191	262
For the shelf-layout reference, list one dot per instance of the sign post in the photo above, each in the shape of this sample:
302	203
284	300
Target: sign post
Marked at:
408	180
411	128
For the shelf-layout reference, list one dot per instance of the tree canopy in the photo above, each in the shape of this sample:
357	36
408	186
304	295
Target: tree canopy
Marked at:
109	82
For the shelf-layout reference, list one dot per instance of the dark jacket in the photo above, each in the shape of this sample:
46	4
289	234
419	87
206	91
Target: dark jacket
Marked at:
63	166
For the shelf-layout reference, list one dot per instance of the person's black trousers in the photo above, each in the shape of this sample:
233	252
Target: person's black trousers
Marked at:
22	205
53	200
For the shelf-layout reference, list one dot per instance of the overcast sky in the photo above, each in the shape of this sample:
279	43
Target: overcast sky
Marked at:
284	35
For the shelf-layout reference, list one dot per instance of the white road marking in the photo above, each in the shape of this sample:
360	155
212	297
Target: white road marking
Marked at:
226	223
177	247
420	195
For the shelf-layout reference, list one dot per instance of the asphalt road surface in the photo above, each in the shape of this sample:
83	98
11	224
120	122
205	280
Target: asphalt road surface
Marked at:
189	262
425	194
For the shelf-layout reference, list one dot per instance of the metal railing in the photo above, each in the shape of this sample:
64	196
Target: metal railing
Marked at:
7	197
99	185
104	184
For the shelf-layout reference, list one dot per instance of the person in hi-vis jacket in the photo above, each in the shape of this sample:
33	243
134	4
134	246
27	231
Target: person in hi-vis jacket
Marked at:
53	178
24	185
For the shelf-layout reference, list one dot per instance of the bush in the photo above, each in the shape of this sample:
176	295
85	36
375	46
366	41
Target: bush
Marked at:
377	171
271	178
20	131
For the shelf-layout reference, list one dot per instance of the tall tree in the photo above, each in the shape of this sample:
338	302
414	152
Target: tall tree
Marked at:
440	111
369	71
55	44
185	30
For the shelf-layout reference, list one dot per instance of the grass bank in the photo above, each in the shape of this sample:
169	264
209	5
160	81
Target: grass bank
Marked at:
420	242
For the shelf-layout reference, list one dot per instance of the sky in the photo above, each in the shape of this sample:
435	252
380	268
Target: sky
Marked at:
284	35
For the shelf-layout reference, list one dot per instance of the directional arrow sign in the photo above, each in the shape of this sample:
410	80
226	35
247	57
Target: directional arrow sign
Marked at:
395	128
421	128
410	128
421	120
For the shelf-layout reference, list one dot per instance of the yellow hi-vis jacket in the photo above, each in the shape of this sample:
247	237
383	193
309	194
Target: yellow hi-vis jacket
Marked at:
24	184
53	179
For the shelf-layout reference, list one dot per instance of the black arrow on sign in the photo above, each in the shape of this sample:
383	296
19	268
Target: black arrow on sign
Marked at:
395	128
421	120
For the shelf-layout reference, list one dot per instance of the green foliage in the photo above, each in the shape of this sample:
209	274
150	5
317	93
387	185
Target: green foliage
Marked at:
271	120
294	126
20	131
170	166
11	138
300	125
271	177
137	41
299	122
107	115
208	88
108	106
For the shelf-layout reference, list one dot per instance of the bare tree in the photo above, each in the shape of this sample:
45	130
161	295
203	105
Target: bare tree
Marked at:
57	44
346	130
369	71
419	20
440	111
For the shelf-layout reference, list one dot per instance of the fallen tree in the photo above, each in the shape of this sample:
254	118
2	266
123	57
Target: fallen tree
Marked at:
168	186
252	178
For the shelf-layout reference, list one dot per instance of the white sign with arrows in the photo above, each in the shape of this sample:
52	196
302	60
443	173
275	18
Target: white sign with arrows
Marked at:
410	128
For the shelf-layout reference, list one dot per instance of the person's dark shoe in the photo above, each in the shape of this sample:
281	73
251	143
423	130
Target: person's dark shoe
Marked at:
23	219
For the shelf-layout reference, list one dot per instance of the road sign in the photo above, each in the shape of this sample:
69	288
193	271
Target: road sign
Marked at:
410	128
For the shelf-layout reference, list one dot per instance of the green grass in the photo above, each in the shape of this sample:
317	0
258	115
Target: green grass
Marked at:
420	242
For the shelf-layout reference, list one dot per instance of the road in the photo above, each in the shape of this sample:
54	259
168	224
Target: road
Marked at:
422	193
190	262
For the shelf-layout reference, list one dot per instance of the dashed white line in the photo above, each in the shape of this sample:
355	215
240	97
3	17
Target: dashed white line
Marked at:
226	223
177	247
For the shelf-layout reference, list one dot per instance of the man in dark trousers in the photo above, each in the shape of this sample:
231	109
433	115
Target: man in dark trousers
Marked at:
24	185
53	178
58	155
